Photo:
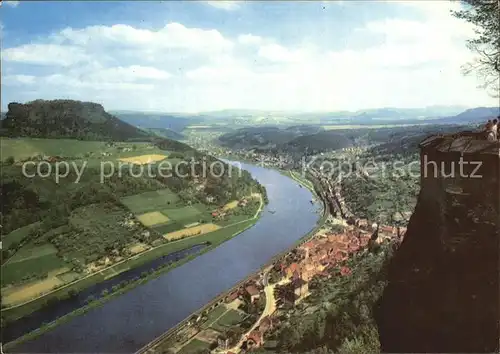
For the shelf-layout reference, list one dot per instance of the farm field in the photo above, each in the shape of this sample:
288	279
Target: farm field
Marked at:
191	231
152	218
31	251
138	248
31	261
231	205
92	152
213	315
229	319
186	212
150	201
23	148
144	159
18	294
194	346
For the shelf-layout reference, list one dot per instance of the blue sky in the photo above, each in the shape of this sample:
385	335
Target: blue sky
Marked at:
206	55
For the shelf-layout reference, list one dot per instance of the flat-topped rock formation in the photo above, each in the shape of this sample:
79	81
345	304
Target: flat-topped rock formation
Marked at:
443	292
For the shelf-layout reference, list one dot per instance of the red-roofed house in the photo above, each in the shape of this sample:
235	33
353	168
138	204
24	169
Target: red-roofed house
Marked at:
252	292
233	296
254	339
387	230
292	268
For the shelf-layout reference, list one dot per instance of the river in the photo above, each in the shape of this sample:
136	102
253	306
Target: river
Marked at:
130	321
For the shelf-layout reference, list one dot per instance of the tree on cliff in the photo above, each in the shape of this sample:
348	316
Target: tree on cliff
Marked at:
485	15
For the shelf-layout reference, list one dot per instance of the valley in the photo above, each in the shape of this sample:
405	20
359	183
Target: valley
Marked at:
244	177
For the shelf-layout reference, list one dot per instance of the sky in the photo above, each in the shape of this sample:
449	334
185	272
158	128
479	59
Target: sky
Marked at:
195	56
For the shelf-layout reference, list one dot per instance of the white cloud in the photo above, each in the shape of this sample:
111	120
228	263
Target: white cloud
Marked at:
60	80
277	53
249	39
45	54
18	79
172	36
129	74
11	3
227	5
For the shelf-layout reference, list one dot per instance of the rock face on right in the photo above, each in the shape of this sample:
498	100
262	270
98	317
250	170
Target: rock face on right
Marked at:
443	291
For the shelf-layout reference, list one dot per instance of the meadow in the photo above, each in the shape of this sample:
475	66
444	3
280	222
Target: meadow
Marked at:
150	201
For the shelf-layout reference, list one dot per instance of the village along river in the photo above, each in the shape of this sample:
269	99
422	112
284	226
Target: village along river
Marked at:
128	322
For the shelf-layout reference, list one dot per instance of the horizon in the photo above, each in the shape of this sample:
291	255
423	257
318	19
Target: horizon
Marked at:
208	56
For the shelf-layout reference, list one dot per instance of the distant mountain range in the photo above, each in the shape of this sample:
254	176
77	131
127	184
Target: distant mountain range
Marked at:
264	136
164	133
236	117
168	124
175	123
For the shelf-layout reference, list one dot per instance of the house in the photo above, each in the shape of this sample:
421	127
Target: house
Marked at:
252	292
254	339
232	296
387	230
291	269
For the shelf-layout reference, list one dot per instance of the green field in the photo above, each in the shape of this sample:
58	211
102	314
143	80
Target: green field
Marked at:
92	151
150	201
18	235
194	346
14	272
229	319
32	251
213	315
182	213
23	148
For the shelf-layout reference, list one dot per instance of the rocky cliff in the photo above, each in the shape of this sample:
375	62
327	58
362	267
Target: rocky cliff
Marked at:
443	291
66	119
